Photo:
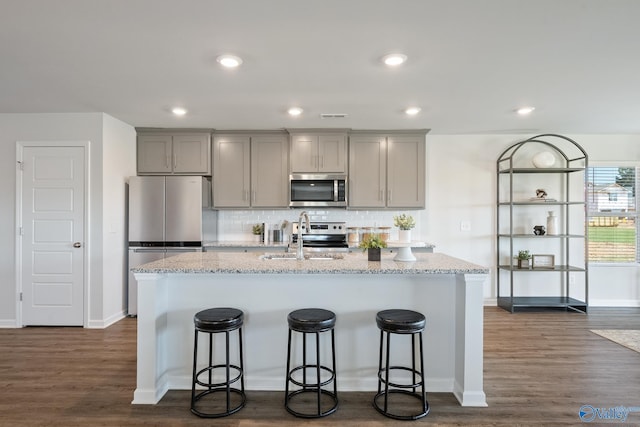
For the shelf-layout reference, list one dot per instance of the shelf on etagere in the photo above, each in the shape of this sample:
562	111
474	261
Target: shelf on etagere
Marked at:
531	203
555	302
546	236
557	268
541	170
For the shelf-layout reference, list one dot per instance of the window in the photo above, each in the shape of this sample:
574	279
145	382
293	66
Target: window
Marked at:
612	214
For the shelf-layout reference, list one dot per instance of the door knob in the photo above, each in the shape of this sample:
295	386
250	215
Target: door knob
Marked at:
77	245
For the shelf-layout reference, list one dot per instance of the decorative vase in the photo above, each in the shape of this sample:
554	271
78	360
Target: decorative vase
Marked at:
404	235
523	263
552	224
373	254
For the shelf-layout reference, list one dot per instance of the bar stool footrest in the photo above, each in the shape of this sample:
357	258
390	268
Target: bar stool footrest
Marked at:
211	368
200	395
315	392
401	417
311	385
381	375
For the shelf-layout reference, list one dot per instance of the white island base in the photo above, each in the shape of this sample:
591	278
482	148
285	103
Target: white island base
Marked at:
452	304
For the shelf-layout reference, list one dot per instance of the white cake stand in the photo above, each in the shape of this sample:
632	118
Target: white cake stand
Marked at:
404	249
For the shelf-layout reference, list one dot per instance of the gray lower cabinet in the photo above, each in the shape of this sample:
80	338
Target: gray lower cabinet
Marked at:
387	170
166	153
250	170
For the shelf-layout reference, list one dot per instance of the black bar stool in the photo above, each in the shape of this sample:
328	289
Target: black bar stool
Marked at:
214	321
312	321
409	323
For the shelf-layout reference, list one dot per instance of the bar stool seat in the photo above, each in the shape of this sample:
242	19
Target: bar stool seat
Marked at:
213	321
408	322
311	321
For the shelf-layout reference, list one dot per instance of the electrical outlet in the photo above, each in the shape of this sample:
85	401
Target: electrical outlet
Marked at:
465	225
572	279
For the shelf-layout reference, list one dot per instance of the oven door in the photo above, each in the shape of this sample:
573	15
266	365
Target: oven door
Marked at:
322	242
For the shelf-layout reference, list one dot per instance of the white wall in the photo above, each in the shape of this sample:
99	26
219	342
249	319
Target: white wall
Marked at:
119	162
98	129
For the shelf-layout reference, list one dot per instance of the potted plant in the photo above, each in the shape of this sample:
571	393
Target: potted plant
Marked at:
523	259
257	230
405	223
372	244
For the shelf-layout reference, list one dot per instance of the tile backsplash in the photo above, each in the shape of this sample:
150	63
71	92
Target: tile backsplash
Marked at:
235	225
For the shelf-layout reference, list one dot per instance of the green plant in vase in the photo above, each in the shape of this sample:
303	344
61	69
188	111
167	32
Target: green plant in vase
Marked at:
373	244
258	230
523	258
405	223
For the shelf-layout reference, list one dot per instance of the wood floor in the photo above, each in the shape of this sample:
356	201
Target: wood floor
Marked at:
540	368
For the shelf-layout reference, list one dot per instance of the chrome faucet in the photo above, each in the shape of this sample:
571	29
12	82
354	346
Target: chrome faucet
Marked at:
299	252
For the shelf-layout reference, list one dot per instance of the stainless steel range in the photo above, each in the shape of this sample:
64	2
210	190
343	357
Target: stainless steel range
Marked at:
322	237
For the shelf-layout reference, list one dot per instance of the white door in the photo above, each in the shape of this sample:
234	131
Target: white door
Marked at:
53	180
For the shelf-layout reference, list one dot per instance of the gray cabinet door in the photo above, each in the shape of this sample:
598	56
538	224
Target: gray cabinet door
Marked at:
304	153
170	153
154	154
319	152
406	171
367	171
269	165
231	171
332	153
191	154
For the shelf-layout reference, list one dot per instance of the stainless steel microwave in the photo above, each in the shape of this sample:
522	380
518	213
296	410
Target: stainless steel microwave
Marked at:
309	190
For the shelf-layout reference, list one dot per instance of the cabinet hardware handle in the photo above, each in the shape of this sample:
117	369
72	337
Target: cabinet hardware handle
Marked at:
388	195
175	161
166	161
77	245
321	161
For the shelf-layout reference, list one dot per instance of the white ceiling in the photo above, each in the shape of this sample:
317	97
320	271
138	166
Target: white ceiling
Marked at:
471	63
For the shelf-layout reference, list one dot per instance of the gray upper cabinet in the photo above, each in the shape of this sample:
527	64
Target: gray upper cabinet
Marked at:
168	153
231	171
318	152
387	170
250	170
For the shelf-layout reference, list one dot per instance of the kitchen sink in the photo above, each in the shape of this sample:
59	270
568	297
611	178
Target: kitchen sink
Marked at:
311	257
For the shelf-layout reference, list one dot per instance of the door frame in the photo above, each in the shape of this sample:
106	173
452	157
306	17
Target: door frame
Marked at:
20	145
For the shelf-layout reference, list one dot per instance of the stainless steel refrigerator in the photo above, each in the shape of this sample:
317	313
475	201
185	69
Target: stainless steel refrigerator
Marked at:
165	219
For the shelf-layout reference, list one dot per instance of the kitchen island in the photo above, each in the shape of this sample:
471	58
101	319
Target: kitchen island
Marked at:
447	290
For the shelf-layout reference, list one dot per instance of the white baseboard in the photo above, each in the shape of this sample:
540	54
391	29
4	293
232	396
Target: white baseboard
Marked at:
8	323
614	303
436	385
101	324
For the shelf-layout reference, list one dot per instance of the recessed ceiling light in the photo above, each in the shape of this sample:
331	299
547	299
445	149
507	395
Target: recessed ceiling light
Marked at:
229	61
525	110
295	111
412	111
179	111
394	59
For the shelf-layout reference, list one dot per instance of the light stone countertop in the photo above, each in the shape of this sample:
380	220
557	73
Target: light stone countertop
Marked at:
281	245
352	263
244	244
